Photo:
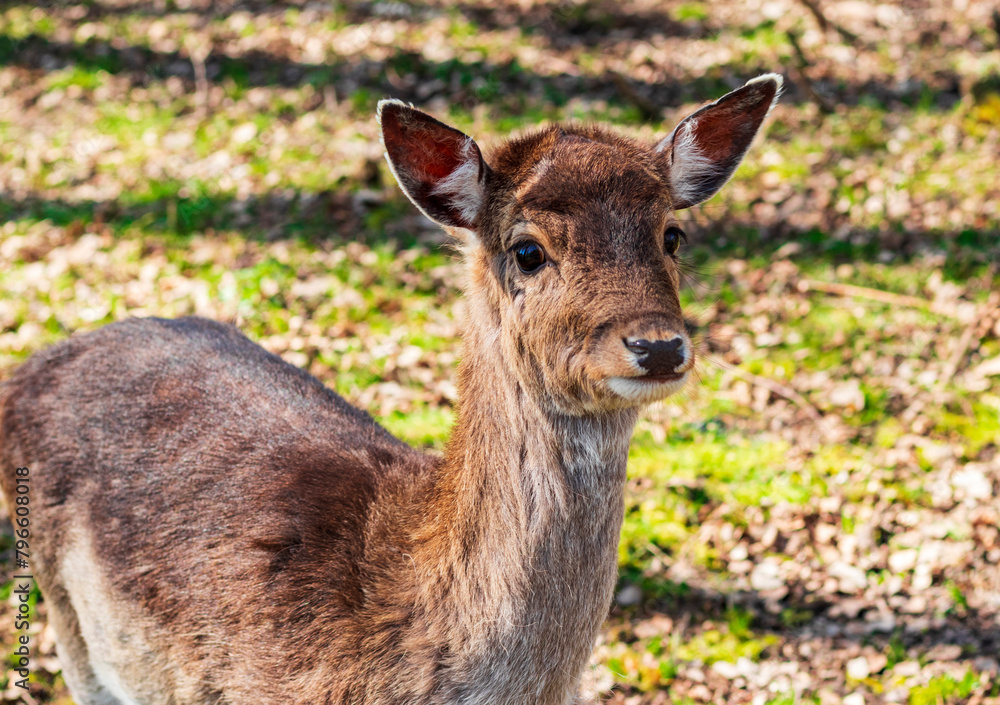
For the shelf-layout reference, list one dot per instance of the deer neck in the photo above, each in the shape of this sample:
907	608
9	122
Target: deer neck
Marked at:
522	533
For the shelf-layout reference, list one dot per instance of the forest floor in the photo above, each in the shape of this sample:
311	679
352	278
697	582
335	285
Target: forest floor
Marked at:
815	520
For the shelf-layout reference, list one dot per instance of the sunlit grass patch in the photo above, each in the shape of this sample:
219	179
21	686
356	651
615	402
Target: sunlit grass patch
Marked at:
424	427
944	689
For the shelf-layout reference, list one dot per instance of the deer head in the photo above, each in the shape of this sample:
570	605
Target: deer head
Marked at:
571	241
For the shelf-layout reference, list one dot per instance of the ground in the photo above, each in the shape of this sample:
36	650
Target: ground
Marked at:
814	520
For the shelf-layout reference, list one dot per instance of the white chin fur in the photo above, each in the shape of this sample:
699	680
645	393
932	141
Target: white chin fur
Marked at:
640	392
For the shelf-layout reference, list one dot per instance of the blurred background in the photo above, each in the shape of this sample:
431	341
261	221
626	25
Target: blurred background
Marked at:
815	520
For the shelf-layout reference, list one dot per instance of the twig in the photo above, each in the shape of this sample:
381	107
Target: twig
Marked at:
971	336
825	25
803	64
201	80
649	109
199	52
862	292
951	367
330	99
788	393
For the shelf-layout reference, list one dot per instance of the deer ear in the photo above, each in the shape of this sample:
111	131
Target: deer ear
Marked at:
440	169
704	150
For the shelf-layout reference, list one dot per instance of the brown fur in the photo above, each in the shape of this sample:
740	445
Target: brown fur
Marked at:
213	526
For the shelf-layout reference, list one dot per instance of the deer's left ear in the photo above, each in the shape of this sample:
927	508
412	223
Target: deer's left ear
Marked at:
439	168
704	150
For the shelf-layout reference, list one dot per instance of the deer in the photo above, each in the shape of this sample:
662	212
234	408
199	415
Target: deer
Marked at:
211	525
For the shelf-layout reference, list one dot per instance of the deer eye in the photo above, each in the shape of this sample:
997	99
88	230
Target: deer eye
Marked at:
529	256
672	239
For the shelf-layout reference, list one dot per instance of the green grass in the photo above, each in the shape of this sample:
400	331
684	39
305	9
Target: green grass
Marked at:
944	689
300	236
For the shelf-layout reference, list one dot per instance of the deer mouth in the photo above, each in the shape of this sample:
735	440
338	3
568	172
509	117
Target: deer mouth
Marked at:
661	379
647	389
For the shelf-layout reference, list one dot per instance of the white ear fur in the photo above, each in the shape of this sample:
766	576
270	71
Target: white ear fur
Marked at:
463	187
690	169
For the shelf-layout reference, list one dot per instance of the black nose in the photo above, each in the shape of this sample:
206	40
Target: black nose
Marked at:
659	357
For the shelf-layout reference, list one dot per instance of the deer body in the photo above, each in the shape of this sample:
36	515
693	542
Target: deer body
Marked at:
212	525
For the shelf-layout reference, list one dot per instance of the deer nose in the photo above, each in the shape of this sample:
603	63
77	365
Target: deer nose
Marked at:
658	357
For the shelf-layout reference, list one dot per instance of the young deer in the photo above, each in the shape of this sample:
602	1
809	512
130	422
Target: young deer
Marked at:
211	525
